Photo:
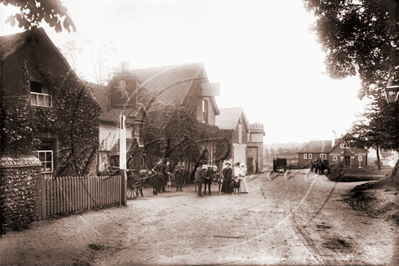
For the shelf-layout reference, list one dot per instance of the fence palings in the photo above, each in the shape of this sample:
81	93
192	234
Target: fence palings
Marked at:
64	194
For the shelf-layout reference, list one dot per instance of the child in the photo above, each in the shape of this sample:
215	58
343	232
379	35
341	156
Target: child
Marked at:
169	183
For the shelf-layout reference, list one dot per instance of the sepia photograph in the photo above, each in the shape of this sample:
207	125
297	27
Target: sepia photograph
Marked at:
188	132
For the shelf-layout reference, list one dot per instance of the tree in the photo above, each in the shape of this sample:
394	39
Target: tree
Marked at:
32	13
100	55
360	37
376	129
71	52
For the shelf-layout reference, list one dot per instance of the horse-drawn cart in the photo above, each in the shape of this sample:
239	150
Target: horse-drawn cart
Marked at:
280	164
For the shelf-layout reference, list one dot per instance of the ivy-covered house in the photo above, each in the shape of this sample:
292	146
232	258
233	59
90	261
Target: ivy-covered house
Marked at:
46	109
159	92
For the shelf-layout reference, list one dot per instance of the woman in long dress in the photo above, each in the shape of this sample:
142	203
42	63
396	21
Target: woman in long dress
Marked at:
226	177
241	177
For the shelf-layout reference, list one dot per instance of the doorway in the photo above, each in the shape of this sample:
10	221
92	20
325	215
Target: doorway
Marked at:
347	160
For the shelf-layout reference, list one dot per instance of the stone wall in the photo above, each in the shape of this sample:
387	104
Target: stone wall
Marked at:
20	192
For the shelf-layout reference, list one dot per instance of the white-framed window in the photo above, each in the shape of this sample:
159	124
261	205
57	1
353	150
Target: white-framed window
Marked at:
305	156
335	158
204	111
360	158
46	158
310	156
323	156
39	94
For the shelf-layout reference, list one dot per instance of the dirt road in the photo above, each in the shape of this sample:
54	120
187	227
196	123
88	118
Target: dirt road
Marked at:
298	218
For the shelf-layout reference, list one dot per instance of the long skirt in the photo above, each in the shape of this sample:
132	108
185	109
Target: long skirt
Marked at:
225	186
243	186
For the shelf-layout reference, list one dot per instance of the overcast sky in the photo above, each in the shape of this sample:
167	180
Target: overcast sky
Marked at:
260	51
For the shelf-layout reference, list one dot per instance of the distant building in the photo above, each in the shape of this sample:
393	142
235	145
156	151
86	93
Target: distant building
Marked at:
335	151
255	148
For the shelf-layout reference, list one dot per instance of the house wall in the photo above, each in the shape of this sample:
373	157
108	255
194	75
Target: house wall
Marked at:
13	80
239	149
211	111
303	162
21	192
256	137
339	152
109	135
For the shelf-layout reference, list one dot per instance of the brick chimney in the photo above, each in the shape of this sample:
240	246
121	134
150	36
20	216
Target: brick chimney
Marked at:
125	65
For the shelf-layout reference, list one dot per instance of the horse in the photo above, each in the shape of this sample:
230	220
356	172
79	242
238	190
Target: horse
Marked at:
158	181
321	165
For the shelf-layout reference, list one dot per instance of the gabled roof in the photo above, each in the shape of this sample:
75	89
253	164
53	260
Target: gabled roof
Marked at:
102	94
229	118
317	146
167	85
11	44
170	84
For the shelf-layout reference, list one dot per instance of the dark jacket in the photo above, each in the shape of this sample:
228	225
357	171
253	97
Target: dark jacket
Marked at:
227	174
199	174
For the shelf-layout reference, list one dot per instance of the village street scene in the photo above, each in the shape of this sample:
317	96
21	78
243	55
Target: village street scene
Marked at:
199	133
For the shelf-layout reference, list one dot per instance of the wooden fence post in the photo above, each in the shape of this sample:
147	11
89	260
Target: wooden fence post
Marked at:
123	187
44	194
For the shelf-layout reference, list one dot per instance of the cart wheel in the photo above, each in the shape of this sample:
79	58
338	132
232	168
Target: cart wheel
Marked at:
132	193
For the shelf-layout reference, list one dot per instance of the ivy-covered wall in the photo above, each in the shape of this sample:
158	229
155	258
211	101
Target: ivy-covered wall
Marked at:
20	192
73	117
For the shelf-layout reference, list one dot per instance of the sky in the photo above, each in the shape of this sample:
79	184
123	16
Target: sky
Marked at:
260	51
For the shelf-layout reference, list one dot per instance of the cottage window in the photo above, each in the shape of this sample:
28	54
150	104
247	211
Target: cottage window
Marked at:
310	156
335	158
305	156
39	94
204	111
46	158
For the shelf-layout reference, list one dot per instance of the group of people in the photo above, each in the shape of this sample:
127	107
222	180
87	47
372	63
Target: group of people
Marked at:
163	175
229	180
320	165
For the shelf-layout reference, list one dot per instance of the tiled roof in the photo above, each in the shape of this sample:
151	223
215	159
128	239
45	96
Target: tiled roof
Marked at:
317	146
229	117
168	85
9	44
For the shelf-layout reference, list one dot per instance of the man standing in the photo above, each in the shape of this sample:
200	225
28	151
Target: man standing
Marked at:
179	176
199	179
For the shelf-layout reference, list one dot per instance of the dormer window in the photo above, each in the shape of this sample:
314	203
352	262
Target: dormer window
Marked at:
204	111
39	94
